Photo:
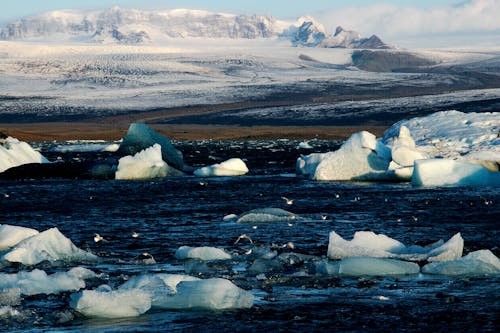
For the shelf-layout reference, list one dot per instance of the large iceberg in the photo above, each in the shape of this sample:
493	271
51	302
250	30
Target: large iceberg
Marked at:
145	164
202	253
38	282
105	303
10	235
441	172
369	244
14	153
475	263
361	157
362	266
140	137
231	167
50	245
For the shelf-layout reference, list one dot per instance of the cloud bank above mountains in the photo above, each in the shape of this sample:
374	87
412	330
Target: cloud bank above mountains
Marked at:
472	20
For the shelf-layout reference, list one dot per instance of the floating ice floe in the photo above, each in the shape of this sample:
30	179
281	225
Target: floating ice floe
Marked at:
106	303
140	137
365	266
10	235
361	157
369	244
50	245
480	262
304	145
38	282
441	172
231	167
202	253
261	215
15	153
145	164
210	294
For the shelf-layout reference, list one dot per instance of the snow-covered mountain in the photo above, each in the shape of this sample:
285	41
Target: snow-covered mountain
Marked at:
131	26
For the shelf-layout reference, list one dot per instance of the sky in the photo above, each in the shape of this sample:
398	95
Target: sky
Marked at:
398	21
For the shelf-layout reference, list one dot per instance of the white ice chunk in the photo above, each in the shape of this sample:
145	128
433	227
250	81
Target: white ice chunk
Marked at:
231	167
369	244
475	263
261	215
10	235
14	153
146	164
50	245
202	253
140	137
111	304
361	157
38	282
9	312
441	172
211	294
304	145
363	266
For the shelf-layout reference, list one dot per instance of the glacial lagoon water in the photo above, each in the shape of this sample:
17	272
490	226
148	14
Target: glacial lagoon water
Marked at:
290	296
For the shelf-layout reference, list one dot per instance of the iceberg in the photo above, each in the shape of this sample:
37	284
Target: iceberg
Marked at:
365	266
441	172
145	164
38	282
361	157
140	137
111	303
369	244
231	167
50	245
210	294
202	253
15	153
261	215
482	262
10	235
403	153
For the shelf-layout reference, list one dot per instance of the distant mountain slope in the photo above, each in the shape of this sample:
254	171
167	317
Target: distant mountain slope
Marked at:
130	26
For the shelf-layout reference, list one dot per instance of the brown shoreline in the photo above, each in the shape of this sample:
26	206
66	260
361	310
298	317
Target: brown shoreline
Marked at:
111	131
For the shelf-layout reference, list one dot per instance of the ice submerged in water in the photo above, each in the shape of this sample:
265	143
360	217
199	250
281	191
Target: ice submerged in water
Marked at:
50	245
161	291
366	266
480	262
231	167
369	244
262	215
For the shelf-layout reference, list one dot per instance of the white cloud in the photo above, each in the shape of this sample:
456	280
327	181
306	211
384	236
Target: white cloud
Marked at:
396	22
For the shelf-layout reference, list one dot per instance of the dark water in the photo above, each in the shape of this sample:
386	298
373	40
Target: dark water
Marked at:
172	212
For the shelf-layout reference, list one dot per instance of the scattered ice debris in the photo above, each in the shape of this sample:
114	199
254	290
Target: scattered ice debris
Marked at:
145	164
369	244
368	266
50	245
202	253
261	215
480	262
304	145
10	235
361	157
15	153
441	172
104	303
231	167
38	282
140	137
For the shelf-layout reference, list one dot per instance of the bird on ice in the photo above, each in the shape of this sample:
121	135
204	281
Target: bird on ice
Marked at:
287	201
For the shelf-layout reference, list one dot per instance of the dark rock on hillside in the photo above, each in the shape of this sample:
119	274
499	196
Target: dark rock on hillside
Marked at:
389	61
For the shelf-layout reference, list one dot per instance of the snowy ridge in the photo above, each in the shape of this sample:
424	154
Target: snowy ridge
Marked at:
131	26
